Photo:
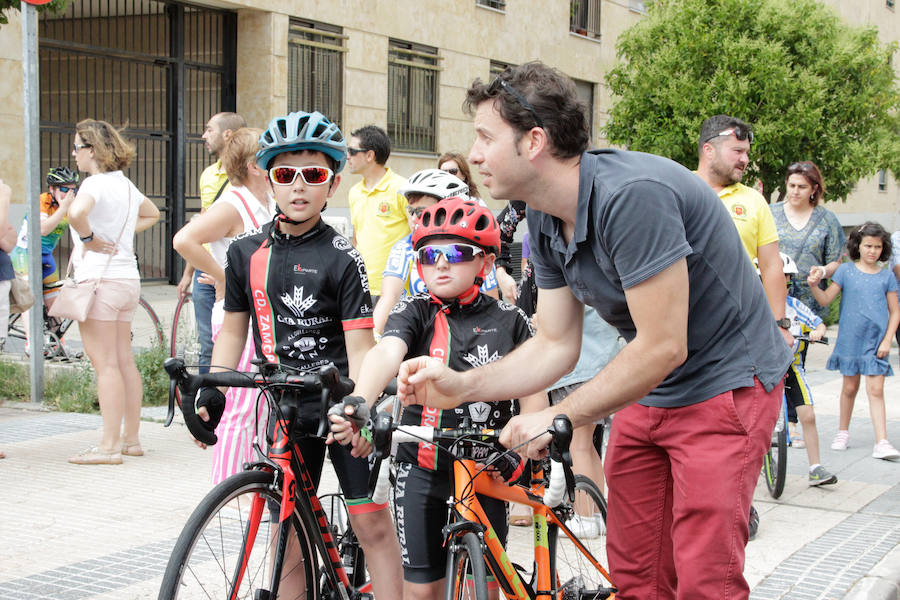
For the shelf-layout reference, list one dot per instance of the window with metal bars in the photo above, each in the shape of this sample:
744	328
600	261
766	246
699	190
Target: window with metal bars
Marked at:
495	4
315	68
412	96
584	17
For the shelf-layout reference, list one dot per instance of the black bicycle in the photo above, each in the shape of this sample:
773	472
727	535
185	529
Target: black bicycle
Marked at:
235	543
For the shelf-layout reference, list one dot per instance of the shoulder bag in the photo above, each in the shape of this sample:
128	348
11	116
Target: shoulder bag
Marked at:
76	298
20	296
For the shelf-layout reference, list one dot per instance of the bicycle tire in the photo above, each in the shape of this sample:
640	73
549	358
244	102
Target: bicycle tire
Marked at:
576	576
466	571
775	461
209	550
146	330
184	342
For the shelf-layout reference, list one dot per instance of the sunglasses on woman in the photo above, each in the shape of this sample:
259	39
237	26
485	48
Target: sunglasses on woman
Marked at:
311	175
454	253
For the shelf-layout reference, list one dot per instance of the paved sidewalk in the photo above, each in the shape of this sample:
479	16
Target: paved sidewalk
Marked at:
104	532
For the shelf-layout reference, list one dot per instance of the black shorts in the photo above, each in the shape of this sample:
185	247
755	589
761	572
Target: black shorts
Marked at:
352	473
422	513
795	389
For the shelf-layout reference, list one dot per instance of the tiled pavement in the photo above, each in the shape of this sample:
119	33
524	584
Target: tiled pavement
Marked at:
104	532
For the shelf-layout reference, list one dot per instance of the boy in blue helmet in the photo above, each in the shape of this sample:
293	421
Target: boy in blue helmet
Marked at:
306	291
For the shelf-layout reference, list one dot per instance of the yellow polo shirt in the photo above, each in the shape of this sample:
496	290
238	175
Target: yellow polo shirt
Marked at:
211	180
379	220
751	215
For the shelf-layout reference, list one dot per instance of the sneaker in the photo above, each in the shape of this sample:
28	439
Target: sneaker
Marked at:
819	476
754	522
885	450
841	440
584	527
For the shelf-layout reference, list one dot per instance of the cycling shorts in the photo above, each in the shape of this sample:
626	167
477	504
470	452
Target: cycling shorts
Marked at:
422	513
352	473
795	388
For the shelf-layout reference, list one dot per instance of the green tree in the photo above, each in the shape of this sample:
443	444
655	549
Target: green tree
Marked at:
813	87
55	6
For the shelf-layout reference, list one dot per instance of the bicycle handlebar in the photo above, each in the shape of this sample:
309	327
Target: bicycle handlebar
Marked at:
326	380
805	338
387	437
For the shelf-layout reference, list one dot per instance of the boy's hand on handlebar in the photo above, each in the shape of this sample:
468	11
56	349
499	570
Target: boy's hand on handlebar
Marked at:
818	333
428	381
210	405
522	428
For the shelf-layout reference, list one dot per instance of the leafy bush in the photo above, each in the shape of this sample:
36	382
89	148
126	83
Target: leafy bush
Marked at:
72	390
154	377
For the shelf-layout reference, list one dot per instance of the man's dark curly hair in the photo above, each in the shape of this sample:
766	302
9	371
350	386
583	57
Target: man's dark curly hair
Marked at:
551	95
869	229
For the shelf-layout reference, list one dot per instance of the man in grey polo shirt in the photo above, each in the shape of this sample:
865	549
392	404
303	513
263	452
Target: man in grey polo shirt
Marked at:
697	388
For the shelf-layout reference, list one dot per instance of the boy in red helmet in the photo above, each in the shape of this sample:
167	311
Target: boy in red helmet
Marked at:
456	241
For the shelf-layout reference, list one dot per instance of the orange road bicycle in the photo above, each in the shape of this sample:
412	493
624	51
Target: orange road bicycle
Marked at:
235	543
565	567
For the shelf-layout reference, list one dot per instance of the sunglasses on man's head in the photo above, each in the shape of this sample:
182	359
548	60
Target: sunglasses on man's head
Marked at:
741	133
454	253
498	84
311	175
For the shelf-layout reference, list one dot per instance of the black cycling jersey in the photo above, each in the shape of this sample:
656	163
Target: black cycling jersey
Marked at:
303	293
481	332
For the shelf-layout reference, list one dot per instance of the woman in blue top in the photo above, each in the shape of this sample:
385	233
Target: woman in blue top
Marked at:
868	319
807	232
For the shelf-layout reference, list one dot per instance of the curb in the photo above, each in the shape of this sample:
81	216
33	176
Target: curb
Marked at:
882	582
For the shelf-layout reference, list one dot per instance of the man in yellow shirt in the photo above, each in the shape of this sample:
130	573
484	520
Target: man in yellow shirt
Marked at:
213	181
724	148
377	208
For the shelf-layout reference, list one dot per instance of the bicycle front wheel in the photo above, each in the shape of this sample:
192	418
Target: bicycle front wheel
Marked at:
466	573
146	330
576	574
775	461
227	547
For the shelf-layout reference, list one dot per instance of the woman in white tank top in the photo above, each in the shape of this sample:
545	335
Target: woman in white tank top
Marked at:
244	207
106	213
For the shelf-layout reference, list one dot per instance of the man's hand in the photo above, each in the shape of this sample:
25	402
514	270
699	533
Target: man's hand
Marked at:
788	337
428	381
342	433
184	285
522	428
507	285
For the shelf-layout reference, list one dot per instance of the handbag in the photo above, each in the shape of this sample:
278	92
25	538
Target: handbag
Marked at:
75	298
20	296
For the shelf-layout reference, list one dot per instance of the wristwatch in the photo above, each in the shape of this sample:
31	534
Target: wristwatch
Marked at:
784	323
89	237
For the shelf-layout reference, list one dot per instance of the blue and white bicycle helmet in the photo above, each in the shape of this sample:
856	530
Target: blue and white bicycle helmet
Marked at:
302	131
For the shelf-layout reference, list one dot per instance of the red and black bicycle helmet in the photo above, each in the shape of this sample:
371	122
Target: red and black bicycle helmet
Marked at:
460	218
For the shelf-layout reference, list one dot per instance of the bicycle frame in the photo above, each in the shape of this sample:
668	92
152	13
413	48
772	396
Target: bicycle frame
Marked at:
469	510
286	463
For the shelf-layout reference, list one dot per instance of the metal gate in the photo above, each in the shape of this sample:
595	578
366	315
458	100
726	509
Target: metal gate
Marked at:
159	68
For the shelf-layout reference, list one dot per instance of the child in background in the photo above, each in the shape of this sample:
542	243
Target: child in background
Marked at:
400	278
804	322
456	241
869	317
